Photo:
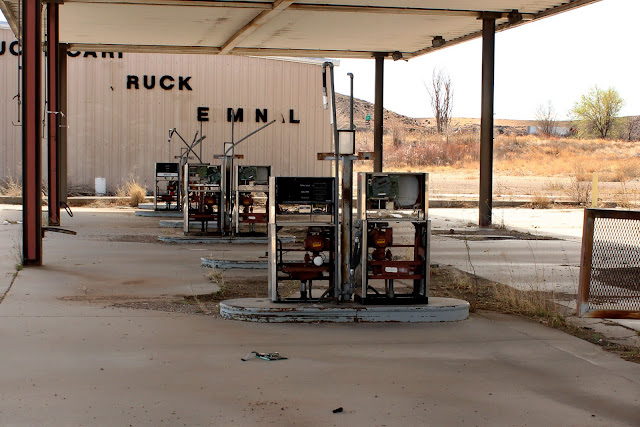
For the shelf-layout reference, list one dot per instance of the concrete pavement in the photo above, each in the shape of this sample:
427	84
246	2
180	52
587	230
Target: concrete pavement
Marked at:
564	224
536	265
70	358
552	265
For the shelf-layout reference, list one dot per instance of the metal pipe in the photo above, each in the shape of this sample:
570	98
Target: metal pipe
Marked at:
31	133
336	146
486	122
62	141
254	132
351	125
378	113
347	239
229	187
53	151
347	212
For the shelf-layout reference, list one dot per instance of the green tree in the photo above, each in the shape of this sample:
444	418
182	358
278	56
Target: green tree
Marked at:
597	110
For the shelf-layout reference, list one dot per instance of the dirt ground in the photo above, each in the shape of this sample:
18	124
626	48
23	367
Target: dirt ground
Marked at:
457	183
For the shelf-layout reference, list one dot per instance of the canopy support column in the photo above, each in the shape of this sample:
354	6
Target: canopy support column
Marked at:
378	113
31	133
486	121
53	113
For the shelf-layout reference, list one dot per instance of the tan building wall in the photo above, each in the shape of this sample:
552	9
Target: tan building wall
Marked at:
10	135
116	131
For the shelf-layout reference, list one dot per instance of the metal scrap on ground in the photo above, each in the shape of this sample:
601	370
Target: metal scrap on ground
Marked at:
265	356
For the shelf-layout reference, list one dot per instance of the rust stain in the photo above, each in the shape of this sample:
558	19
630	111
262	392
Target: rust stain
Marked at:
613	314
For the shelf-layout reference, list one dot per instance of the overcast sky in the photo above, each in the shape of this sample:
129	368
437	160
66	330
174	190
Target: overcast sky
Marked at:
556	59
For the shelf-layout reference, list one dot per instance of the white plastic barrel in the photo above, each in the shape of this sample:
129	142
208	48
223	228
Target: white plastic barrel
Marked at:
101	186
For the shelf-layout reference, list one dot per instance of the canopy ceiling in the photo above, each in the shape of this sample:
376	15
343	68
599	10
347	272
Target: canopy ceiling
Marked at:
333	28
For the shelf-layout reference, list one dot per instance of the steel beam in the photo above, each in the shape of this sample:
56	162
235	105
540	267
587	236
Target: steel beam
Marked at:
10	16
486	121
53	113
263	17
378	113
31	133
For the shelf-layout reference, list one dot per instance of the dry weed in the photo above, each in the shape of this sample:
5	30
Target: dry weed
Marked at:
397	133
11	188
131	193
579	191
626	171
103	203
555	185
217	277
532	302
625	198
540	201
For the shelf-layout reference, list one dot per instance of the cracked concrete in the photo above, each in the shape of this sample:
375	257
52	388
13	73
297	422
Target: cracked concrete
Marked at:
69	360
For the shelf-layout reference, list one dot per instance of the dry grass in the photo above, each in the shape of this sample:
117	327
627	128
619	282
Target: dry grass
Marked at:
131	193
615	161
11	188
534	304
540	201
568	162
579	191
530	155
531	303
487	295
217	277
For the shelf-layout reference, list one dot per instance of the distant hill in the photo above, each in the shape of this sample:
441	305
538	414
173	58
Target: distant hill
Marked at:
424	125
427	125
360	110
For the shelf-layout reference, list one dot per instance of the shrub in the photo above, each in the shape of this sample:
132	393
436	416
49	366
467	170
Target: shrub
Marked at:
131	193
10	187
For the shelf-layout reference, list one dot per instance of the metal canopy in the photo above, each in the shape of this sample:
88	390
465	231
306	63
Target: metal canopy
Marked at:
328	28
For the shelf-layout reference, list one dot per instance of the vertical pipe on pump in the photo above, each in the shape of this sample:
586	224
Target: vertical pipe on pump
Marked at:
53	118
347	210
62	141
336	146
351	125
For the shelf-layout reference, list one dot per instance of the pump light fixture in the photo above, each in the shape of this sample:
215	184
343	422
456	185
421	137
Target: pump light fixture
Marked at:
438	41
514	17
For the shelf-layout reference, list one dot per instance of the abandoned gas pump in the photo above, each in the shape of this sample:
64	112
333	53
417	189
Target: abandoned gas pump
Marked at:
168	187
251	200
228	176
393	238
166	195
304	207
202	197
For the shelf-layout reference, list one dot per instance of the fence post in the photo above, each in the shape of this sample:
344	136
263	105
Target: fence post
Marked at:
594	191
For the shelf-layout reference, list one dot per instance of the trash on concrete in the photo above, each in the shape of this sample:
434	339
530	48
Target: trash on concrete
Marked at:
338	410
264	356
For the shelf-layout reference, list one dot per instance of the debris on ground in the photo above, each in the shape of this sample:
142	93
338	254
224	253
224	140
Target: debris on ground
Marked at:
264	356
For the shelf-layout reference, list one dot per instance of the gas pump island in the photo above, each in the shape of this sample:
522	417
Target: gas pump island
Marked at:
375	255
380	258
